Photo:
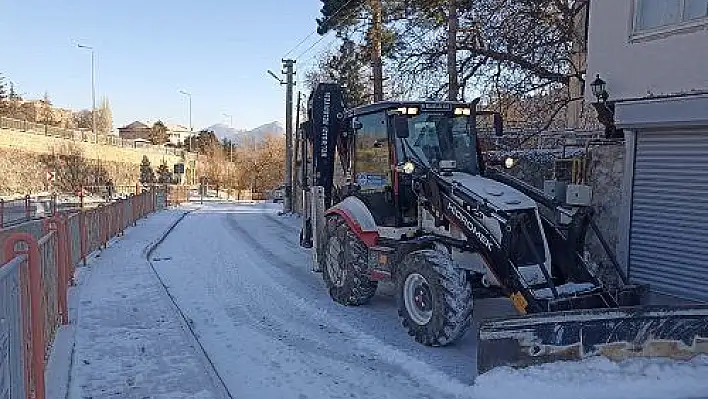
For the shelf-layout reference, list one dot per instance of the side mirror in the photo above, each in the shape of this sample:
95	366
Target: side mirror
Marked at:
400	126
356	125
498	125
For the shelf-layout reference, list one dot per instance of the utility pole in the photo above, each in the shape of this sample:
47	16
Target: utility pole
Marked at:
93	91
376	19
289	72
452	26
297	186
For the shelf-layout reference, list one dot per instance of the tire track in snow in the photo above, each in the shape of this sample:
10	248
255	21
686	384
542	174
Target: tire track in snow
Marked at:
415	368
259	296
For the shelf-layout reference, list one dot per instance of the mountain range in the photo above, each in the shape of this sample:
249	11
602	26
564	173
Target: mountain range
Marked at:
223	131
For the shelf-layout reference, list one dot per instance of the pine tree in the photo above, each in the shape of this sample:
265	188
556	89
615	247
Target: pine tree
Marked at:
146	174
164	175
343	15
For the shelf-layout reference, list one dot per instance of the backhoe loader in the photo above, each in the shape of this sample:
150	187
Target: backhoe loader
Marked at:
399	191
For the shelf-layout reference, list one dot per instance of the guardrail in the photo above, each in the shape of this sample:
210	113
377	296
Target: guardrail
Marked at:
37	268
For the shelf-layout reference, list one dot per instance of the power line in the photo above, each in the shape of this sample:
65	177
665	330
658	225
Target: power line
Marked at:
310	48
300	43
315	31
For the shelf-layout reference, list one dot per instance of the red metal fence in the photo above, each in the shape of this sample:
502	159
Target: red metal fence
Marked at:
41	256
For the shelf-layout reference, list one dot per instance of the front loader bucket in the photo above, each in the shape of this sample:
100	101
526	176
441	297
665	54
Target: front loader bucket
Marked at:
652	331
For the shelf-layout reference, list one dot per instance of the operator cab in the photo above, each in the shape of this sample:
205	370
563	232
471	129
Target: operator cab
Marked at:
393	140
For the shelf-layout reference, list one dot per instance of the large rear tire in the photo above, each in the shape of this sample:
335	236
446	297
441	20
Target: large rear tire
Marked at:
344	265
434	298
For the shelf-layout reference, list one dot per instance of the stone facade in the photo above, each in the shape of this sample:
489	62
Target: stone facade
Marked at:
605	175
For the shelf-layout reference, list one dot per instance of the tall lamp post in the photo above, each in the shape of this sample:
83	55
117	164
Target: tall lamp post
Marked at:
191	133
93	90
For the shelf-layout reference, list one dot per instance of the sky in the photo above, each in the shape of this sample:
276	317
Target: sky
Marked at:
149	50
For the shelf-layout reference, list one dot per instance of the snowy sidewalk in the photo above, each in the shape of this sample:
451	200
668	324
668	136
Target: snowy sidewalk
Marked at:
130	341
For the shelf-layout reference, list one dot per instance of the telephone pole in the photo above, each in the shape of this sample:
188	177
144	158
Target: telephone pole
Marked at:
376	19
289	71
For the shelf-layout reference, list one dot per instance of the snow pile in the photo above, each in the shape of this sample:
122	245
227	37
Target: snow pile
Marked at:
538	156
598	377
568	289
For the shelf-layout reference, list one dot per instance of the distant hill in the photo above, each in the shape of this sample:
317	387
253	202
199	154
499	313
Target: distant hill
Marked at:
222	131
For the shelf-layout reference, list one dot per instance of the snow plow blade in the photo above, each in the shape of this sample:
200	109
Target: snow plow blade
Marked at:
679	332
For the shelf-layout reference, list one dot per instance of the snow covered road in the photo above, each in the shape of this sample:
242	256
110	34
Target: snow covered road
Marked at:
271	331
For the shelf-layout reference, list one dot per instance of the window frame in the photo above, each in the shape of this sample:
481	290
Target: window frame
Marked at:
683	26
355	160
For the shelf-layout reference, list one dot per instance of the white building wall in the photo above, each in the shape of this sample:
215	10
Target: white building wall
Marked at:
667	62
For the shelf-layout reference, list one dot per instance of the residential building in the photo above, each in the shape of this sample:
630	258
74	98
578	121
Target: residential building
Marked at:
178	134
134	131
653	57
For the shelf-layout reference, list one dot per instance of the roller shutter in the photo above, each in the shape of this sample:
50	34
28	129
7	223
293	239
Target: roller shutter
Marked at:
669	226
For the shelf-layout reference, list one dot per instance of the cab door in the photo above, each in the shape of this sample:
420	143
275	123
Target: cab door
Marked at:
373	174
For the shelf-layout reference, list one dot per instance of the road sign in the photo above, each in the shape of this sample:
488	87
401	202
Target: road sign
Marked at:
51	176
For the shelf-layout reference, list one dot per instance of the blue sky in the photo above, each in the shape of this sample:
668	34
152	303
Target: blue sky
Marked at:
147	50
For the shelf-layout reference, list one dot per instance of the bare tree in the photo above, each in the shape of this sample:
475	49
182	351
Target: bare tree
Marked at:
104	117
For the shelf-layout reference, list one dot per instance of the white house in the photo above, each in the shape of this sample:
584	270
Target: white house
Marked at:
177	133
653	57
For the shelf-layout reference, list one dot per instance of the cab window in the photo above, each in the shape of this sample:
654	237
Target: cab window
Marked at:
372	164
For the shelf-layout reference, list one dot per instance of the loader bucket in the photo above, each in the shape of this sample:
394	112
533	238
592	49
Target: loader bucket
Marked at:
648	331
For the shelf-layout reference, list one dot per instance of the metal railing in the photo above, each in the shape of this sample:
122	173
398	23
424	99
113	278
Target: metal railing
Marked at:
81	135
24	209
38	264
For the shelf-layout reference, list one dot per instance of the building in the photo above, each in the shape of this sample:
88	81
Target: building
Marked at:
177	133
135	130
653	58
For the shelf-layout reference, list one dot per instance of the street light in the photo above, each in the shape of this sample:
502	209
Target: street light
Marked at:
191	134
93	91
598	87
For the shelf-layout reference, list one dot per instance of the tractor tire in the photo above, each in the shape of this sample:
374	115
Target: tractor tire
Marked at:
345	265
434	298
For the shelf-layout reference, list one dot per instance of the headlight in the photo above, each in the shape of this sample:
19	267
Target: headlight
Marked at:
462	111
408	167
509	162
408	111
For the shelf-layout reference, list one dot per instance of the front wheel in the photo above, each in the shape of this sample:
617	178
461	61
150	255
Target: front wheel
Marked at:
434	298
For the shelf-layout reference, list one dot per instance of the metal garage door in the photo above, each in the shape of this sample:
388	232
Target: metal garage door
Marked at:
669	231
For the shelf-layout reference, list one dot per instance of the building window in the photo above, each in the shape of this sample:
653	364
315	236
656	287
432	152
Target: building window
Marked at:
657	14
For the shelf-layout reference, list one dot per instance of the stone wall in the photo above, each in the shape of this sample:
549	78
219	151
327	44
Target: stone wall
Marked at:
35	143
22	171
605	175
